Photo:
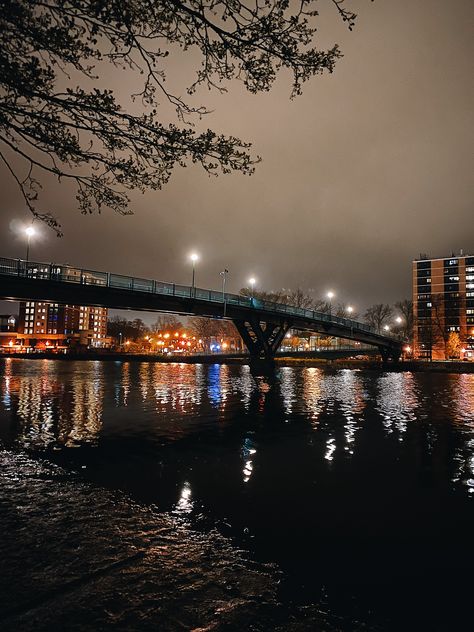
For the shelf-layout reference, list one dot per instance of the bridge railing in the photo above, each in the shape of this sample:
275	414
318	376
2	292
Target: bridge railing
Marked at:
69	274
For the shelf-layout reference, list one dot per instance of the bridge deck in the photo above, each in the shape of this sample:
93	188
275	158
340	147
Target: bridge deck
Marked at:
21	280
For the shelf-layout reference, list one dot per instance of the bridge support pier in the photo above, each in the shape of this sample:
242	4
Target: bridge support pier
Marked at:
262	340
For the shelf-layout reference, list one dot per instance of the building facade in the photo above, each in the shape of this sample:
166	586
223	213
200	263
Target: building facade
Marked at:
61	325
443	307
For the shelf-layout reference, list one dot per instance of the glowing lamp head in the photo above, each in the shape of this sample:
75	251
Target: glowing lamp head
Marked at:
194	257
330	295
398	319
252	281
387	328
350	309
30	231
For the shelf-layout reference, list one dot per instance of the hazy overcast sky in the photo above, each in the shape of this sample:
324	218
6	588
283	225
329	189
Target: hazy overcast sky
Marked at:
370	167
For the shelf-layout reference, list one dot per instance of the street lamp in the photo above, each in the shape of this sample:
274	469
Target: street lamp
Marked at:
252	282
349	310
399	320
224	274
30	231
194	257
386	327
330	296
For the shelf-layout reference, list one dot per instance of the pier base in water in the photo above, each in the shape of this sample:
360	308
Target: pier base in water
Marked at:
262	367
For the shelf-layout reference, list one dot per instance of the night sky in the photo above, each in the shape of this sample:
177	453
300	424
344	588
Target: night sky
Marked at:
369	168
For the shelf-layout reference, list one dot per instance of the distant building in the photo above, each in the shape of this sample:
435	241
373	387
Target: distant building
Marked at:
443	304
8	335
61	325
7	323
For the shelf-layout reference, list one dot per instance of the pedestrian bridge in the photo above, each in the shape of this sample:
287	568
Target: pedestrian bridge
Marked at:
262	324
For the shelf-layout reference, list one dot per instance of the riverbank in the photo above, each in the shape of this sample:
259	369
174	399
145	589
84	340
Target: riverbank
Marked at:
71	551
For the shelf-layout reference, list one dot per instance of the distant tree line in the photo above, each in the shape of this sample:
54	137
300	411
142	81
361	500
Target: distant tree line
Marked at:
205	329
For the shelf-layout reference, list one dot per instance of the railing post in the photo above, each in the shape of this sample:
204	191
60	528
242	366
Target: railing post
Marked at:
174	289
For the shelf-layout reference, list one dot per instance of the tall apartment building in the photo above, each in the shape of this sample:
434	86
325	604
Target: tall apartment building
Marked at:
443	302
57	323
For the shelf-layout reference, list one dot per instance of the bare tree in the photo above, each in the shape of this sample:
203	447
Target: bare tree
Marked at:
84	135
299	298
378	315
166	322
274	296
405	307
440	333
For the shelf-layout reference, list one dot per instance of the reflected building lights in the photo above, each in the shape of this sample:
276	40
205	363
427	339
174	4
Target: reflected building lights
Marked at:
397	401
248	451
184	504
330	449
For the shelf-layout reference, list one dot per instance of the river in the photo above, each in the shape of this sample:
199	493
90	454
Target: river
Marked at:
142	496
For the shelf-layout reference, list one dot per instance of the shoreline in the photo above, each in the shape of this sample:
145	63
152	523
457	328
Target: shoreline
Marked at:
281	361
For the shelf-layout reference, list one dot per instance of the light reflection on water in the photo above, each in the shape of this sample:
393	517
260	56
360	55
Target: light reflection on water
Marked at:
66	407
318	448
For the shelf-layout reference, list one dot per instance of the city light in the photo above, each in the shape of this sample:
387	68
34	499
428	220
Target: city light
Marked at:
386	327
399	319
194	257
350	309
330	295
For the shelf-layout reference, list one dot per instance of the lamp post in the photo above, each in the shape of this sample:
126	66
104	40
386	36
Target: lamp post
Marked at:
330	296
30	231
194	257
224	274
252	282
349	310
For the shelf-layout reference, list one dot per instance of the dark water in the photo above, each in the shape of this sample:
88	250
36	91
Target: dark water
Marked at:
342	499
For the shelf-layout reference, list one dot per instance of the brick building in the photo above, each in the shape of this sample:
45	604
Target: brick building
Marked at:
61	325
443	304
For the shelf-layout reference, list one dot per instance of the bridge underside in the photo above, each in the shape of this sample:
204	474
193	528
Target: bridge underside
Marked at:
262	339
